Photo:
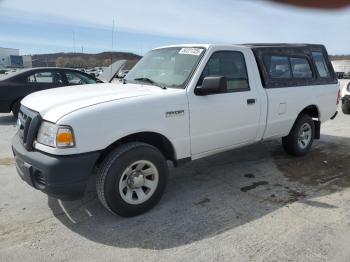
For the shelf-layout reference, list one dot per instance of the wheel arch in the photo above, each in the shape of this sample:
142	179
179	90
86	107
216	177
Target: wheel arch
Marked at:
311	110
155	139
314	112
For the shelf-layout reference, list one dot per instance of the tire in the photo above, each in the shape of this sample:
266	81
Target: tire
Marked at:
346	109
293	144
121	180
15	108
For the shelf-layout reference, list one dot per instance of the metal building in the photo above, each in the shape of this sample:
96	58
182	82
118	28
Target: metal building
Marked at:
341	65
27	61
10	58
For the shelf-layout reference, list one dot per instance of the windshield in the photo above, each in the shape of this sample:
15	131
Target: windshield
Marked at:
169	67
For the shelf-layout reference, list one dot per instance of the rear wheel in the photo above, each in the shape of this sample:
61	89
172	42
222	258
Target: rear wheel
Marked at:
132	179
300	138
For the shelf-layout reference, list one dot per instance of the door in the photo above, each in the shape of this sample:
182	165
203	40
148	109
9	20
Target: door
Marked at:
223	120
44	79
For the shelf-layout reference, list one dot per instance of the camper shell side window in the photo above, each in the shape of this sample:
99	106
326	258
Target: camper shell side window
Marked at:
290	66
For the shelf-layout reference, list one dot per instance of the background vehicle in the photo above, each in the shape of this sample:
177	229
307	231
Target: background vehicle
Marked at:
346	100
3	71
109	73
340	75
16	86
346	75
179	103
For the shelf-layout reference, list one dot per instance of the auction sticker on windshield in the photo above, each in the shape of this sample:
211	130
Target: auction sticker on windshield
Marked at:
191	51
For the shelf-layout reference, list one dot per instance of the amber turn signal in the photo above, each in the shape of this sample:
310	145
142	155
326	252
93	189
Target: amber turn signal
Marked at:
65	137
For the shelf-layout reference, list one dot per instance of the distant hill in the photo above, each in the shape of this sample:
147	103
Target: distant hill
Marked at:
82	60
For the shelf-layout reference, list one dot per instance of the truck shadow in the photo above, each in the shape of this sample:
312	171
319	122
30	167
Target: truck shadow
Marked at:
210	196
7	120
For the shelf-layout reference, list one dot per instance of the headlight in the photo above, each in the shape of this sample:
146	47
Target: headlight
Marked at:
55	136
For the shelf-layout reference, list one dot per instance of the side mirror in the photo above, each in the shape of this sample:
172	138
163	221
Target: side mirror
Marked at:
212	85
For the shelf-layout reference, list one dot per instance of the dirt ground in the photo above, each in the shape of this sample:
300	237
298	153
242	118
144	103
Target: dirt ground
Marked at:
251	204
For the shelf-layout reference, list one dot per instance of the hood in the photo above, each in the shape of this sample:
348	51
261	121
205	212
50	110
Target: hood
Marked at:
109	72
54	103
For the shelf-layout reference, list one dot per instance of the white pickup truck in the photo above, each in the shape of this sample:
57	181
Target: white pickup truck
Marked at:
179	103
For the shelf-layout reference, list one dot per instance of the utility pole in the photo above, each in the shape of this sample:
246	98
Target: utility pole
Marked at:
113	26
74	42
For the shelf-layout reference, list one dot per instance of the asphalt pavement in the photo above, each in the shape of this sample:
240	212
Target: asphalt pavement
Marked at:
250	204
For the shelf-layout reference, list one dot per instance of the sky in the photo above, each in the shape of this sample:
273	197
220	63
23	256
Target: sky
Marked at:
42	26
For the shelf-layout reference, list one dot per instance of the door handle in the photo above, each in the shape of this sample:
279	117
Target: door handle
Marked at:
251	101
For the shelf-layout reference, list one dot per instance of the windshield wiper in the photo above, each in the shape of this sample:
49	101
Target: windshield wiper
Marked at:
150	81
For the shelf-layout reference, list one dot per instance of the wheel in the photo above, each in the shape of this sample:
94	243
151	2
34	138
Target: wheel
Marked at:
132	178
301	137
15	108
346	109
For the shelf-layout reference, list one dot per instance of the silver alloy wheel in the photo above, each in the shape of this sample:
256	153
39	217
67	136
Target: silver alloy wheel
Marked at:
304	136
138	182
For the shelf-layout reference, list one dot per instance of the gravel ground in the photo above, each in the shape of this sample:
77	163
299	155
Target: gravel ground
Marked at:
251	204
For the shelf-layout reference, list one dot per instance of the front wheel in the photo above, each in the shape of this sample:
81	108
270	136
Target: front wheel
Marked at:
301	137
132	179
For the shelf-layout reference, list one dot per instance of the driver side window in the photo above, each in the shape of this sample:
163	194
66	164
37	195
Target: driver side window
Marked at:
230	64
74	78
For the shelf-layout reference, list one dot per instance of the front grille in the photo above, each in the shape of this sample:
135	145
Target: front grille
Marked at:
29	123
